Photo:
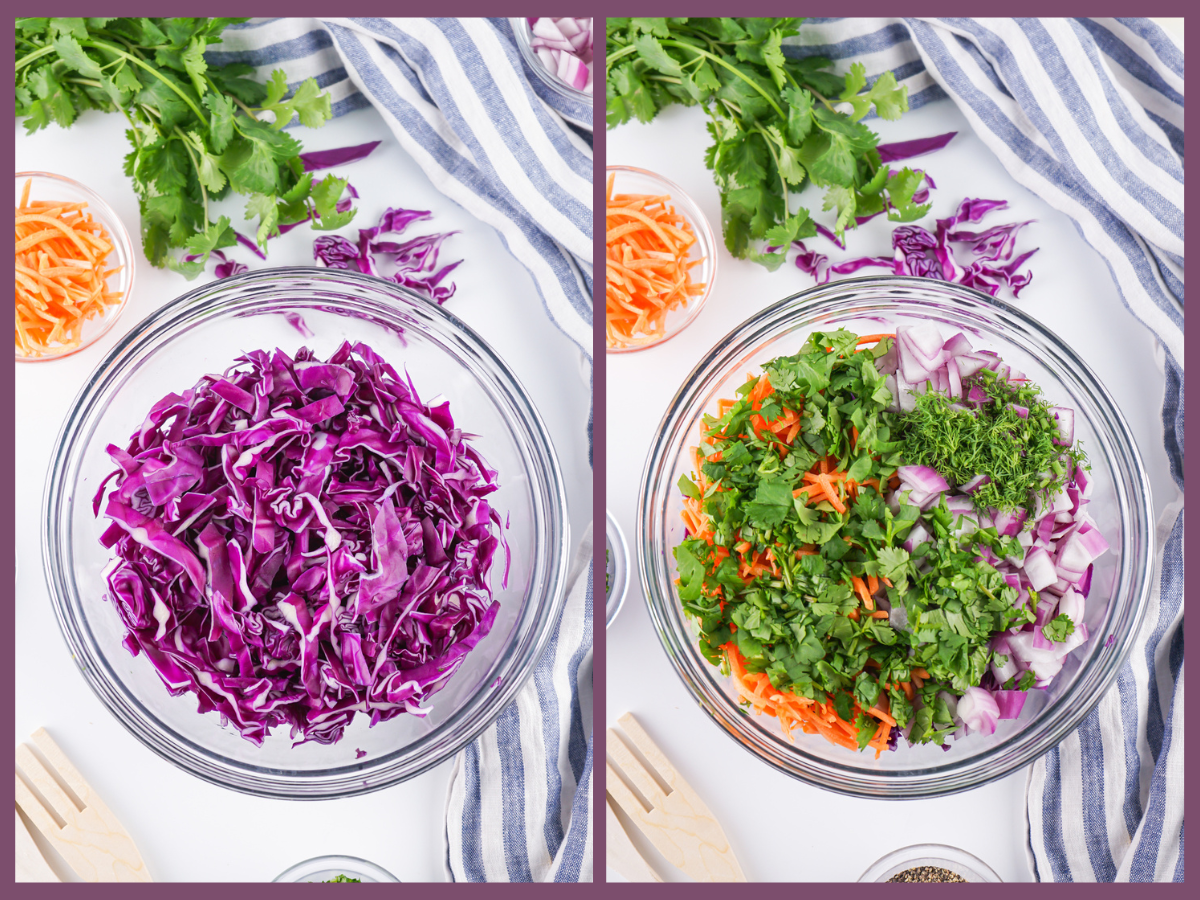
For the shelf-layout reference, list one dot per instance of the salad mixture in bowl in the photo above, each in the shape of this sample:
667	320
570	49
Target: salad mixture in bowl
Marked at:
894	537
852	589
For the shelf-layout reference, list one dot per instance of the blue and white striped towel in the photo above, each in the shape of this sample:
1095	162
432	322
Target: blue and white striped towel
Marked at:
1087	114
489	135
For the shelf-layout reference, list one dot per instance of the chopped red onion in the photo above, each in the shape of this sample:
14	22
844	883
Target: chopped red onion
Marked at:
564	48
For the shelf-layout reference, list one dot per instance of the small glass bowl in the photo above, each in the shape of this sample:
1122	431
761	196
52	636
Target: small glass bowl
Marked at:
204	331
960	862
522	31
47	186
630	179
327	868
1120	505
617	568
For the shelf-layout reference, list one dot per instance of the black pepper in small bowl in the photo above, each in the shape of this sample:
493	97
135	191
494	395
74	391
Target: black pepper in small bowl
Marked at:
927	874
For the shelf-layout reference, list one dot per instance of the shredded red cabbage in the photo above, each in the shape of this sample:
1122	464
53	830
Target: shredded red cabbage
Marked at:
298	541
340	156
413	263
898	150
917	251
225	268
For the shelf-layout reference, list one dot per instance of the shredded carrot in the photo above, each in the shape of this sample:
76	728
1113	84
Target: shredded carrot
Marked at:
61	274
860	588
810	716
831	492
873	338
648	267
822	483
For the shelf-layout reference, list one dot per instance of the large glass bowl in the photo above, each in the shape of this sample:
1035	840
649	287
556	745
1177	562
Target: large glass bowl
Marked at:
202	332
1120	505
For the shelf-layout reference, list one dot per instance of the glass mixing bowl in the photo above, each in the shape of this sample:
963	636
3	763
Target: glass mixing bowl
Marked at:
1120	505
202	332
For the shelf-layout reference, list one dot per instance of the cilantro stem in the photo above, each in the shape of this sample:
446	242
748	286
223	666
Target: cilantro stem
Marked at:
153	71
37	54
244	108
734	69
812	90
88	81
199	180
609	60
778	170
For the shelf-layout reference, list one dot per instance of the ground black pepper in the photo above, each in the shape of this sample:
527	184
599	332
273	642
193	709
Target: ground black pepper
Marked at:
934	874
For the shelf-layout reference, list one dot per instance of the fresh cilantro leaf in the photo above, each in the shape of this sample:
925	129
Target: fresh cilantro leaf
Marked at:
893	563
220	109
1059	628
264	208
772	501
689	487
73	56
654	56
842	199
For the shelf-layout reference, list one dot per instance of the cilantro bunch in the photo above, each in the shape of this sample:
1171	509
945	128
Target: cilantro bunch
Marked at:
776	123
198	132
796	625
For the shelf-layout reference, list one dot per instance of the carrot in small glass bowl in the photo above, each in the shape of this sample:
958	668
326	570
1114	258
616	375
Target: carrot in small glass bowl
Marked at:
74	267
660	259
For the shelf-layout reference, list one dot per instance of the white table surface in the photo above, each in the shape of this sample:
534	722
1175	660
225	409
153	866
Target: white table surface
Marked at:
797	832
187	829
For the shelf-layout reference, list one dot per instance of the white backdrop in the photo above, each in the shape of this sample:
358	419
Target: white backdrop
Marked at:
781	829
186	829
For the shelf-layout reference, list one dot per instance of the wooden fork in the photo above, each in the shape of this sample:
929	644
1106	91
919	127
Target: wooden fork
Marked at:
91	840
678	823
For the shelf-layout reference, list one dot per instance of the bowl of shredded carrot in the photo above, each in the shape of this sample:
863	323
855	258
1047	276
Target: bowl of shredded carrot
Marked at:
660	259
74	266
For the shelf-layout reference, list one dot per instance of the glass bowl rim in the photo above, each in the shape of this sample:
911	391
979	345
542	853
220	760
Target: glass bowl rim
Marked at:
192	308
954	857
800	309
120	235
705	238
349	865
522	35
615	535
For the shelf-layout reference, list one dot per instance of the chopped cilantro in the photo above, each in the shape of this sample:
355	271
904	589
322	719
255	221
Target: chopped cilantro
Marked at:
1059	628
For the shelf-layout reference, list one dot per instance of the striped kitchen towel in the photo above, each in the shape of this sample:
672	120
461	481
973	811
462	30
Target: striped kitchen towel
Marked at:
1087	114
520	797
457	96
